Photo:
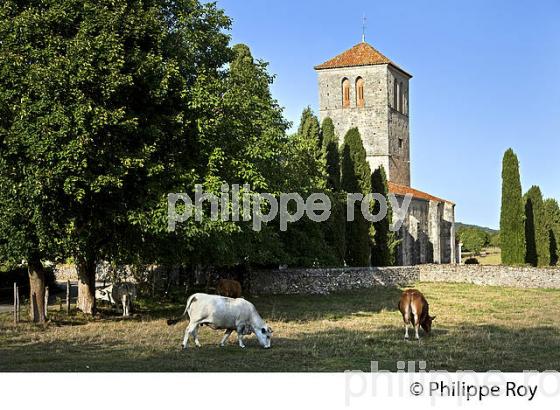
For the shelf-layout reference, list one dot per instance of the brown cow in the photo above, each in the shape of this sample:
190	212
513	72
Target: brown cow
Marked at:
229	287
415	309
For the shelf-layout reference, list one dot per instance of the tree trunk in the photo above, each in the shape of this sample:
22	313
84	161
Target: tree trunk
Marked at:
37	291
86	285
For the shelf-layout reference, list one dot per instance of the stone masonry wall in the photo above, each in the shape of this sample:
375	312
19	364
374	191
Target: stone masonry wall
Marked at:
398	128
381	127
327	280
65	272
324	281
509	276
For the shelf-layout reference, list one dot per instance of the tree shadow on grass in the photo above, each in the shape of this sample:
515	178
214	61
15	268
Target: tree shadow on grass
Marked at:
468	346
459	347
286	308
337	305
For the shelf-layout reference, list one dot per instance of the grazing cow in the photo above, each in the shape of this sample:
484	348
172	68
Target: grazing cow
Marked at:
415	309
219	312
229	287
118	293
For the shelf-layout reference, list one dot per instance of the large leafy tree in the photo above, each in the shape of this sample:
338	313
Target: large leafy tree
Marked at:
356	178
536	232
26	233
474	239
98	102
241	140
307	242
512	226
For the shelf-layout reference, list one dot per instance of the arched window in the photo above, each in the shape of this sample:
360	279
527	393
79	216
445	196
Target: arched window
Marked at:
401	98
360	92
346	92
395	94
405	103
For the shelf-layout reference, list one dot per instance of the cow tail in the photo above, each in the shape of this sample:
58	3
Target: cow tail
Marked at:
191	299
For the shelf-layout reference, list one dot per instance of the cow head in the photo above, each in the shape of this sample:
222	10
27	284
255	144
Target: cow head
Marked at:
264	334
427	323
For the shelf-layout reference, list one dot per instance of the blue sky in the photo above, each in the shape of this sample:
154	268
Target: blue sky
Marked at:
486	77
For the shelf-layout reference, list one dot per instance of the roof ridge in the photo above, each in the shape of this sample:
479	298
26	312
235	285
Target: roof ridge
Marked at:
361	54
403	190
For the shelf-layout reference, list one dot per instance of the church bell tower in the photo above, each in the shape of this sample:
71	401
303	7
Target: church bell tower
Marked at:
362	88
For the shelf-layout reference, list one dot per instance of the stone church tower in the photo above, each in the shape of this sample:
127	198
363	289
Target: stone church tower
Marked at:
362	88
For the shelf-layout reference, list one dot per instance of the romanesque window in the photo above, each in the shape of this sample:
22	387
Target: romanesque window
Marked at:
346	92
395	93
401	97
360	92
398	100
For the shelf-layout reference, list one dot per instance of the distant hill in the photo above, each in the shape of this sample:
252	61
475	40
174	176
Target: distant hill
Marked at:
460	225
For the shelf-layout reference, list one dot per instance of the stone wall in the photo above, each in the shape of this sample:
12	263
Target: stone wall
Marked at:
327	280
510	276
415	245
399	136
324	281
64	272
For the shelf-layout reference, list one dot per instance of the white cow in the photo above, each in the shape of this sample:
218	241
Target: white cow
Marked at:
220	312
123	293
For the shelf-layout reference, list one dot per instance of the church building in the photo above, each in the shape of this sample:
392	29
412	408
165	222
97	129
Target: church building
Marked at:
364	89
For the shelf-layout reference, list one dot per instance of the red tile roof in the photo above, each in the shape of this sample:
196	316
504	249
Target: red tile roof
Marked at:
360	55
403	190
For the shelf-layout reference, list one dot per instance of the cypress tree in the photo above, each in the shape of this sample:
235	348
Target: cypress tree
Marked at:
355	178
309	126
355	171
332	155
335	227
552	220
335	233
512	228
536	233
384	243
530	234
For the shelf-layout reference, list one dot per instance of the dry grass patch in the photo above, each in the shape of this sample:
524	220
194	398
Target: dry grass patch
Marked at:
477	328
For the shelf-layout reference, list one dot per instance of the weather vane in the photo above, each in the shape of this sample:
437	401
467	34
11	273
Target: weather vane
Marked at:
364	20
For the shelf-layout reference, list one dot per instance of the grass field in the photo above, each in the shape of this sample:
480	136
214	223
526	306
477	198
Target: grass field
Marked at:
488	256
477	328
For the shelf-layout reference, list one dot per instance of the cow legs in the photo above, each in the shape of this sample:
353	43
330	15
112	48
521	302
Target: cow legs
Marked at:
227	334
195	335
191	330
415	321
406	320
187	336
240	336
125	305
416	326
